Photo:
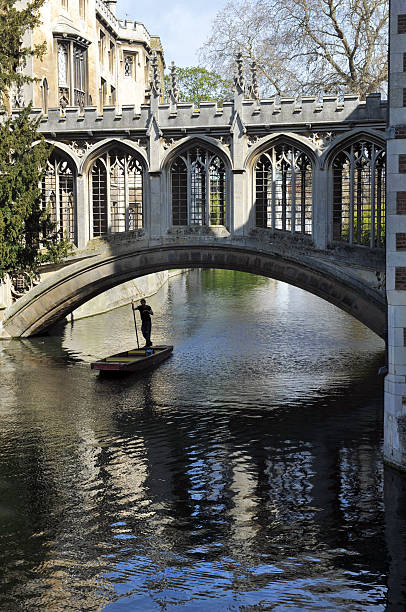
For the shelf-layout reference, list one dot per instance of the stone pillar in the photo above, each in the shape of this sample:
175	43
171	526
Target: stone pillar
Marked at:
320	207
82	212
395	382
239	213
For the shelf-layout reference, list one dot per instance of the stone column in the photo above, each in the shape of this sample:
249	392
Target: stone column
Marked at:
320	207
82	212
239	213
395	382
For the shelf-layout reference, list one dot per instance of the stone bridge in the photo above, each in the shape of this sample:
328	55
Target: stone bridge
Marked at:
292	190
307	192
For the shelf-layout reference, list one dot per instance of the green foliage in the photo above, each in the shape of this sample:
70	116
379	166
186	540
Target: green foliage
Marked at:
13	54
27	235
197	84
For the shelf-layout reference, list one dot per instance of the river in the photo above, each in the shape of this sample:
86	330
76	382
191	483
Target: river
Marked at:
244	474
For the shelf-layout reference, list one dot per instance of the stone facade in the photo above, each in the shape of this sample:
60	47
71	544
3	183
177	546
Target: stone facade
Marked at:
395	383
92	58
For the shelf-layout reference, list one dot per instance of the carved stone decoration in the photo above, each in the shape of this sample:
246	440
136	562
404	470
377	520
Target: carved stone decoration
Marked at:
381	280
174	88
155	81
252	140
21	283
140	142
80	148
239	80
321	140
224	141
253	90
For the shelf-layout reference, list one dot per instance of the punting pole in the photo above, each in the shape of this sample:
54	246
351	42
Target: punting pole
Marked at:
135	322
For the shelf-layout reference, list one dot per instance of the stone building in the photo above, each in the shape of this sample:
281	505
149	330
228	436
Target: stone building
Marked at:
92	58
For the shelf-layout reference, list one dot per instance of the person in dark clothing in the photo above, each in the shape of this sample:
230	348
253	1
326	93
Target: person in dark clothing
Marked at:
145	313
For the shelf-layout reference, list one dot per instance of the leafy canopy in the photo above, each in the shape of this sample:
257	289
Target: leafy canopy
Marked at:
304	47
197	84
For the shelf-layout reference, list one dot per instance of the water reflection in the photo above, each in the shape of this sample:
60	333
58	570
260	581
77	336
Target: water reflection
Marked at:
245	473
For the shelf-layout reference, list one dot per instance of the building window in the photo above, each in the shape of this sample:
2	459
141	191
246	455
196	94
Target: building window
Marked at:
112	57
82	9
102	47
116	193
283	190
199	188
63	55
113	98
58	196
64	4
80	76
128	66
359	195
103	93
69	52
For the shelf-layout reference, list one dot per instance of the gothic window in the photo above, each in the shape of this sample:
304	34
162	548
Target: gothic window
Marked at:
199	188
116	193
283	190
80	75
112	57
72	72
63	65
128	65
58	195
359	195
102	43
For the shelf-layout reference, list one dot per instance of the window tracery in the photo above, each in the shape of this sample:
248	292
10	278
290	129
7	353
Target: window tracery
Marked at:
199	188
116	193
359	195
58	195
283	190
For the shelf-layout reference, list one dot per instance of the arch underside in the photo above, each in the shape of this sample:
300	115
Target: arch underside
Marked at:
77	283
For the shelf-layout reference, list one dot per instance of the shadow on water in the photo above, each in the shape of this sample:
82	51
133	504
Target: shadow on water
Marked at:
245	473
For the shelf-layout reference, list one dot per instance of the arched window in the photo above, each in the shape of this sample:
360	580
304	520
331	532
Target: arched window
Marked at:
58	195
199	188
283	190
116	193
359	195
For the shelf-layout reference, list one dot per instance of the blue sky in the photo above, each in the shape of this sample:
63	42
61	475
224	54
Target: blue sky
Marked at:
182	26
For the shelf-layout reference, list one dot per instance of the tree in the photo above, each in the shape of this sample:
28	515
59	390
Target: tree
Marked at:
27	235
14	23
304	47
196	84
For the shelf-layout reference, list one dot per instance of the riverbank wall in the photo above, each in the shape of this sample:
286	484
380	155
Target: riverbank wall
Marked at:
145	286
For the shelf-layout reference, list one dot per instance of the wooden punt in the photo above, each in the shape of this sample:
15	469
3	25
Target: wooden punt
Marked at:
134	360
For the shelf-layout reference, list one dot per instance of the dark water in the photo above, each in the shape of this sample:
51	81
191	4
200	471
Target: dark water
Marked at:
243	474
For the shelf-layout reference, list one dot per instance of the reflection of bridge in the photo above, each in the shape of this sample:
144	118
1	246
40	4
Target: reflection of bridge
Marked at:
293	191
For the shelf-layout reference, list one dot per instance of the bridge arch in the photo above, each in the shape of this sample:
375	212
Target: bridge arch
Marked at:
67	289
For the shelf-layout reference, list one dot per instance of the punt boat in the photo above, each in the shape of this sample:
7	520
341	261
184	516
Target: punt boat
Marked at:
134	360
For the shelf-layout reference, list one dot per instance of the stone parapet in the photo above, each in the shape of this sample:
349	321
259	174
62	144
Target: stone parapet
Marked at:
185	117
